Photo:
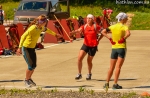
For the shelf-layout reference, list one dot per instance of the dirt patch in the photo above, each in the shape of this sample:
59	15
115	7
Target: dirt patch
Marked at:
130	16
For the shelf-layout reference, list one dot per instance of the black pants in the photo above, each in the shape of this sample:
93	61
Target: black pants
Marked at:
30	57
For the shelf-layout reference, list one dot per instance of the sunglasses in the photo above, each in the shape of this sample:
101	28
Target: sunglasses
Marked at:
41	21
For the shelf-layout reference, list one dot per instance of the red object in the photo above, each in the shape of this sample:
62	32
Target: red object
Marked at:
20	30
4	41
48	37
76	26
1	51
71	40
122	40
13	32
112	42
40	46
110	11
105	22
104	12
90	35
65	28
98	21
145	94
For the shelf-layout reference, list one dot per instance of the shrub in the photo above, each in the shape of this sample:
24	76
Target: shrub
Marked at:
4	1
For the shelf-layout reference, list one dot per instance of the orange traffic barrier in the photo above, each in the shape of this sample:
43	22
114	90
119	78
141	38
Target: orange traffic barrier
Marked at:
105	22
20	29
13	36
3	38
76	26
49	38
65	28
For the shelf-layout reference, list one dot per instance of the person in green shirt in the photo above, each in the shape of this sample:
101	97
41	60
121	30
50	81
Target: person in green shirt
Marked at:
27	45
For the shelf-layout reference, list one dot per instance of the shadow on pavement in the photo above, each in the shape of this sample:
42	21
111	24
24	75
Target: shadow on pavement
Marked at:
11	80
113	79
143	87
125	79
66	86
97	80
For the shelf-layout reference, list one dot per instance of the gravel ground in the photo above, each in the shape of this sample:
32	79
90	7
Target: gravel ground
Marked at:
68	94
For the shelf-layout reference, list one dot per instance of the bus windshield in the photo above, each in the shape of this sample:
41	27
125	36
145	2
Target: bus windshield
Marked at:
34	5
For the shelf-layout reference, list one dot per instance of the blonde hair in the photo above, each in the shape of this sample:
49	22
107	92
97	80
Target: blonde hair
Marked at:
41	17
35	21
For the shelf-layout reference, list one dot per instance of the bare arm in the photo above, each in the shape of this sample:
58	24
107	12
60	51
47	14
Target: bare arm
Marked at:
76	31
4	15
101	36
127	34
104	32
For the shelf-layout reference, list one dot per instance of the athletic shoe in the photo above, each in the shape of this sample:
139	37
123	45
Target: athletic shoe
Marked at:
116	86
88	77
32	83
79	76
27	83
106	86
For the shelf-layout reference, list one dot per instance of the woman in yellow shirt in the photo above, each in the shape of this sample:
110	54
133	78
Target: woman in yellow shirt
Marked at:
120	33
27	46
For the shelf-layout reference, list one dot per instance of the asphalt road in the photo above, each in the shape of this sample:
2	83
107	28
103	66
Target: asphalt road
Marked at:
57	66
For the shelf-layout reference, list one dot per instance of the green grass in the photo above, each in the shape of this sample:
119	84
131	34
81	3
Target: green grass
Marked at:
39	93
84	10
9	9
129	95
140	21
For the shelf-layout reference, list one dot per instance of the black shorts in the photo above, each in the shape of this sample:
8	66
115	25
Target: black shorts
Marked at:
30	57
90	50
120	52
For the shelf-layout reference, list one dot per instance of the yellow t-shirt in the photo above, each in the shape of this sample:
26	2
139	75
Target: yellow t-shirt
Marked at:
118	31
30	37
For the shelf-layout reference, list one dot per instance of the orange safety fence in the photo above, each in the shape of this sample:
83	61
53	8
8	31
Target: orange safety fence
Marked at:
10	38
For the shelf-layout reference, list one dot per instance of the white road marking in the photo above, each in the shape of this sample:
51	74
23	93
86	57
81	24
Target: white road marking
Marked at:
51	45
